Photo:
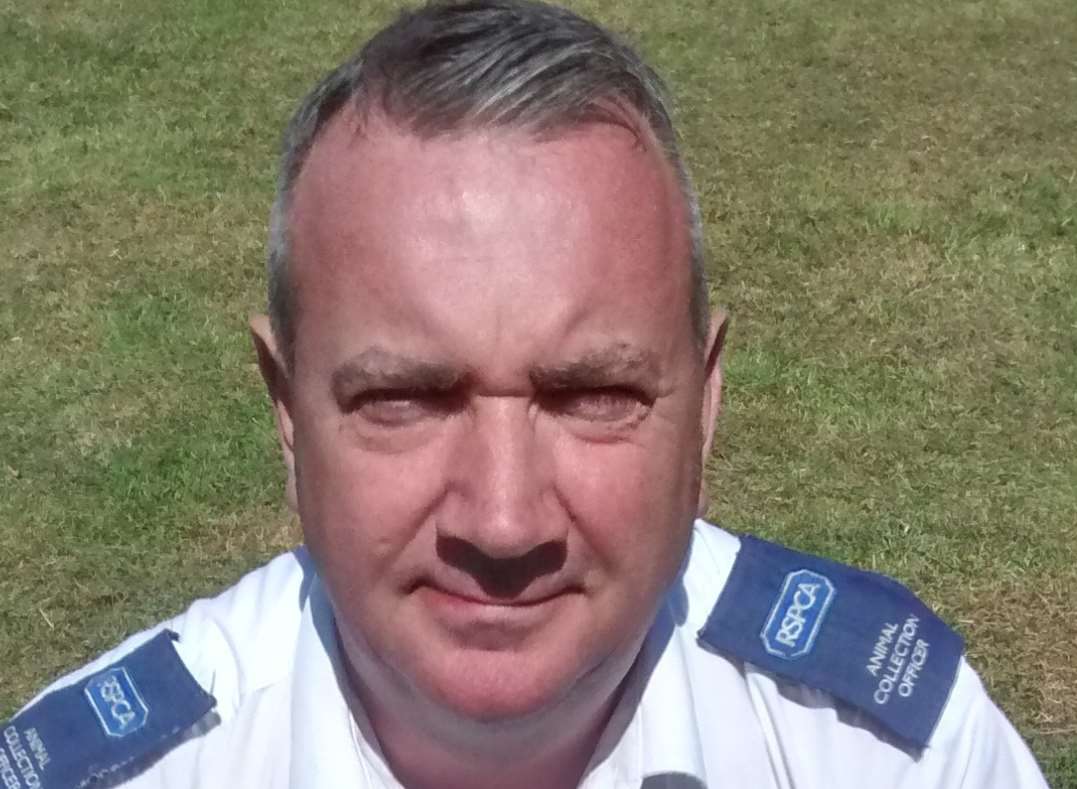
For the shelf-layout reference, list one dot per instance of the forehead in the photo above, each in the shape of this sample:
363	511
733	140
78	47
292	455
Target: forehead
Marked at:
518	230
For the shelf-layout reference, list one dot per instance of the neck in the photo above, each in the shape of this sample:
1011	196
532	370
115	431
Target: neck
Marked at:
420	763
427	750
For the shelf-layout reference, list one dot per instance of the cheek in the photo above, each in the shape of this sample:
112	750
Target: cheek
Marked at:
631	502
359	508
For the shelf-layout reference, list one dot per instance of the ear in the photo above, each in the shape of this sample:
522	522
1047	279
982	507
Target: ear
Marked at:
712	396
275	375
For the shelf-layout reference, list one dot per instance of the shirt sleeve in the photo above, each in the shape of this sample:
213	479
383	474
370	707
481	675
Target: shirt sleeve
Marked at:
976	746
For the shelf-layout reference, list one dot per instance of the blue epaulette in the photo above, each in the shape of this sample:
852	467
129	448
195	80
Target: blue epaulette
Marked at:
108	727
859	636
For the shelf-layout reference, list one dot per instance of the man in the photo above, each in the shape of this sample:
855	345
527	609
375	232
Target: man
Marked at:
495	383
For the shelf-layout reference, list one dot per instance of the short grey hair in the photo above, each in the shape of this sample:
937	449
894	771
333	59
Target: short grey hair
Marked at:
479	64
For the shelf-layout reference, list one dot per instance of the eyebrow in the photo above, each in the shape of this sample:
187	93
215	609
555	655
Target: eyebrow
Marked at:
378	368
616	364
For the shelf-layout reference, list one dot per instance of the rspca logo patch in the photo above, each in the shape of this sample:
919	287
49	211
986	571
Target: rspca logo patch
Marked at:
116	702
797	614
877	648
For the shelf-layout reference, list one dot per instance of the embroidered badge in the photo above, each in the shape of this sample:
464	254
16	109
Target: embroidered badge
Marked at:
117	702
107	728
797	614
859	636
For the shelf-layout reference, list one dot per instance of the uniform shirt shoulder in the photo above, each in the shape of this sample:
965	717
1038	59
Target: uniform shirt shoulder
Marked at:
243	639
857	635
165	688
224	639
842	666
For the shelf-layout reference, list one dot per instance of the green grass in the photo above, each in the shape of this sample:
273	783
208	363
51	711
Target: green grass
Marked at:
890	190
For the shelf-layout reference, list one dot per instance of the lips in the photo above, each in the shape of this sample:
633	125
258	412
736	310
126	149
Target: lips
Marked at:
530	599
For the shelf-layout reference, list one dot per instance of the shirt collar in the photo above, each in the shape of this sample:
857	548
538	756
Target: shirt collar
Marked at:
327	749
659	745
670	733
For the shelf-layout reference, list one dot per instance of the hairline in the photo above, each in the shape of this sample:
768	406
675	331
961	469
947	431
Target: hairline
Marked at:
343	91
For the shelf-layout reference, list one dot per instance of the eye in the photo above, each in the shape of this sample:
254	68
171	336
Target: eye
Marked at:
400	408
607	404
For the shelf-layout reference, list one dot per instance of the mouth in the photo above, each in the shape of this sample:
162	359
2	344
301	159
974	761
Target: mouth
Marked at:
470	619
465	597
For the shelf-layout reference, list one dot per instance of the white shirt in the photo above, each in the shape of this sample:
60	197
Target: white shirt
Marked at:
689	718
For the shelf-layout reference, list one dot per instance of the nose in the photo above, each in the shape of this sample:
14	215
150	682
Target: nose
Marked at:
504	504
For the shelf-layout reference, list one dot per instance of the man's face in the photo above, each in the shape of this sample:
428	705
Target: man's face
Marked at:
495	408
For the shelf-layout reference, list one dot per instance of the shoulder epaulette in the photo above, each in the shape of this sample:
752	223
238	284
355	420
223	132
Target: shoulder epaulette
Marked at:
107	727
859	636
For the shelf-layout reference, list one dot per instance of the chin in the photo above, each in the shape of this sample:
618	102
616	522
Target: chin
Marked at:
497	687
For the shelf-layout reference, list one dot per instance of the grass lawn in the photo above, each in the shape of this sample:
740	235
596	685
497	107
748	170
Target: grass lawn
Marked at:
890	189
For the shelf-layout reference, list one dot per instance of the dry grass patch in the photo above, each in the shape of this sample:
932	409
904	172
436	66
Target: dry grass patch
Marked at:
1021	634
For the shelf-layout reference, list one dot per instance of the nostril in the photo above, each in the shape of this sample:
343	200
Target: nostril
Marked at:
502	577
